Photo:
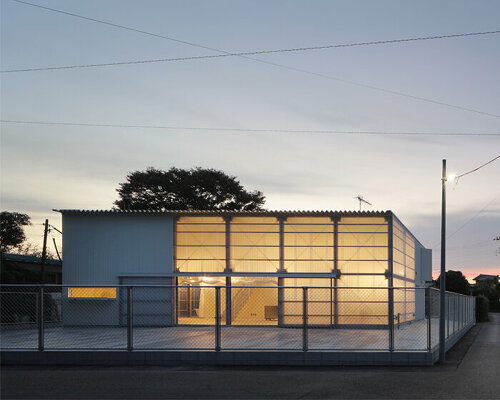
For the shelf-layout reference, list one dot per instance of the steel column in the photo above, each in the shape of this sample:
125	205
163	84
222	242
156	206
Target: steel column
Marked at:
336	269
305	339
130	319
217	319
41	333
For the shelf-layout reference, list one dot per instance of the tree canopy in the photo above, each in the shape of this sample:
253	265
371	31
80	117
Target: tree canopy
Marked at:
182	189
11	230
455	282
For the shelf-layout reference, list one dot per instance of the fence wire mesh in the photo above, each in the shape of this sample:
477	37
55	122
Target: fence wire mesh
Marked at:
244	317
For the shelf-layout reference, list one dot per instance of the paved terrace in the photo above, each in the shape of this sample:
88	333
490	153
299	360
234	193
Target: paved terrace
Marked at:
409	337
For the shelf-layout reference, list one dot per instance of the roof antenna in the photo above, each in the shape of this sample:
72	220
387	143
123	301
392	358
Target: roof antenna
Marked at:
361	200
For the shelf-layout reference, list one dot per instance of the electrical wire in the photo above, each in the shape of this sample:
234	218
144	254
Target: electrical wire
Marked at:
473	217
478	168
226	53
248	130
247	53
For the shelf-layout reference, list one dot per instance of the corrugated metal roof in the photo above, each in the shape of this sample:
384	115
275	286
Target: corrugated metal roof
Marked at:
229	212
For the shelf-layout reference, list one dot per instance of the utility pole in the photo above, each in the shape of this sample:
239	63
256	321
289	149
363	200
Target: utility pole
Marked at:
442	280
44	252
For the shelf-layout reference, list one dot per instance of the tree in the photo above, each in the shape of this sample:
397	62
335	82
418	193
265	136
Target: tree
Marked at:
491	290
180	189
455	282
11	230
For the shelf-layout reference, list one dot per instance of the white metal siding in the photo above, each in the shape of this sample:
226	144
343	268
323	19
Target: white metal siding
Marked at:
99	248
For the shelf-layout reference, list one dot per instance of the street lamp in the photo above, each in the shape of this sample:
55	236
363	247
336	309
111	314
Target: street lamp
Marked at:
442	278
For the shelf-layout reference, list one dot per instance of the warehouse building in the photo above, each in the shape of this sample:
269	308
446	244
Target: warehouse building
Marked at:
261	260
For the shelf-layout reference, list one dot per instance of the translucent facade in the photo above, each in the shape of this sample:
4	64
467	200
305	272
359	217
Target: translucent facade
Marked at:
349	260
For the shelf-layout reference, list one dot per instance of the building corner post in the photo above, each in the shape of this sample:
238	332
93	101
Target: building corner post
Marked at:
305	317
390	280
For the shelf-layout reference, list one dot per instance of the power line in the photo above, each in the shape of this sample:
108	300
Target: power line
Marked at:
478	168
473	217
247	53
324	76
214	129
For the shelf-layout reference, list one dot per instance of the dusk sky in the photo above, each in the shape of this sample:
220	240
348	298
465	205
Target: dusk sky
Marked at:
61	166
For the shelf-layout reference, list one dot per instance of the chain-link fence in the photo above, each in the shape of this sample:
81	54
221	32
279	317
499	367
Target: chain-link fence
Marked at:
204	317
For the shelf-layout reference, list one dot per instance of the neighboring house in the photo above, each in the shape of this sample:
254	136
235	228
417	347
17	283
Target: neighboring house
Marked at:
353	257
23	269
484	277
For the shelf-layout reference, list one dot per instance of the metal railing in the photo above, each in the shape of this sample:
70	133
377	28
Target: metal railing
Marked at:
170	317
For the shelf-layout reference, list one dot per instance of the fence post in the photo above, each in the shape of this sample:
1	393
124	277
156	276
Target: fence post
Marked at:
429	315
304	319
217	318
41	335
130	319
391	319
454	312
447	316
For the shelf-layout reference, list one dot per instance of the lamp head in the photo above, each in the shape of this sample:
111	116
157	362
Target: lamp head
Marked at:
451	177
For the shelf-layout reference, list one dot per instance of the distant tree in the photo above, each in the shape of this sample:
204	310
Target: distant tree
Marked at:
491	290
181	189
12	230
455	282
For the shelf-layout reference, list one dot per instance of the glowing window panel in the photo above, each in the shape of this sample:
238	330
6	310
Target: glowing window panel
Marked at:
92	293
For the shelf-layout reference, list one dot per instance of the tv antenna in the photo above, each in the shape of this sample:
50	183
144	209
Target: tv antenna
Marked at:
361	201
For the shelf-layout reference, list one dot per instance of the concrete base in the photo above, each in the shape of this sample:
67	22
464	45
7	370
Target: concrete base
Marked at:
170	358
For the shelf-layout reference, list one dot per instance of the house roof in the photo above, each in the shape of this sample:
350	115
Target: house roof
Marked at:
485	277
229	212
27	259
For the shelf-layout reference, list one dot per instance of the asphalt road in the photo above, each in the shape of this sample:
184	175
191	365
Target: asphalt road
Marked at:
472	371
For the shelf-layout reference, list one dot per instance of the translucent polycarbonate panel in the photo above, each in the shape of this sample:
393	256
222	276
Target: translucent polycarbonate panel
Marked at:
201	265
362	281
403	253
320	301
255	253
254	266
309	244
309	221
254	244
312	266
363	267
201	253
251	220
362	239
200	239
362	306
254	239
363	220
363	253
200	244
308	253
292	239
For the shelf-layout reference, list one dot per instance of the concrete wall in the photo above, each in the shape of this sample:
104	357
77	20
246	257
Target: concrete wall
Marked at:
99	249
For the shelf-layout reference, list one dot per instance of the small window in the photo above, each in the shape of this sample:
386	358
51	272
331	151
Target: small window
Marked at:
92	293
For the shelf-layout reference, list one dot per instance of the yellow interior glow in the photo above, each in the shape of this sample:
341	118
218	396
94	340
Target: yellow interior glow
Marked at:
92	293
